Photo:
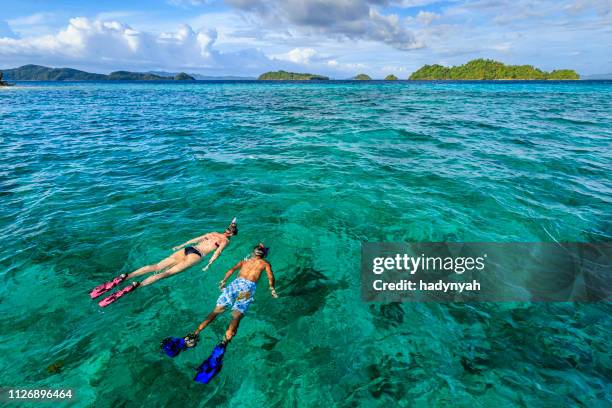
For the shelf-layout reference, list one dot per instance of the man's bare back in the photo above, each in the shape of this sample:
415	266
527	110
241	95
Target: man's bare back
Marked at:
251	269
239	293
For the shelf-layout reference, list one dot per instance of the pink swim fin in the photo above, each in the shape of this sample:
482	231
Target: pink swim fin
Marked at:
105	287
110	299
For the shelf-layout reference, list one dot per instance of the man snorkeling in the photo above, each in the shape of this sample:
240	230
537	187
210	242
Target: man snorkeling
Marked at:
192	253
238	295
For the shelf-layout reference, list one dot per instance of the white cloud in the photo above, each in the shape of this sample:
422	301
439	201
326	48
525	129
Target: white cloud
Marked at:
338	38
298	55
395	69
427	17
502	47
115	41
95	43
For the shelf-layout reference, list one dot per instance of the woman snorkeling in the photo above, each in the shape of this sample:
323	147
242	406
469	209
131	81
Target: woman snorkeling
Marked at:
192	253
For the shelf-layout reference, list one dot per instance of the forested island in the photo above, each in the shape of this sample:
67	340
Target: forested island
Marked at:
390	77
2	83
41	73
362	77
290	76
486	69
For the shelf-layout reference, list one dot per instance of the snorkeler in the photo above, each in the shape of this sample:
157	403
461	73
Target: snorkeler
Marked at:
175	263
238	295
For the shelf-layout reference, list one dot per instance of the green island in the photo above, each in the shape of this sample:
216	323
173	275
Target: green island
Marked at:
290	76
486	69
390	77
362	77
41	73
3	83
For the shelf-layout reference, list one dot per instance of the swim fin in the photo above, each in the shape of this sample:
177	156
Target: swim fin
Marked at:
110	299
105	287
172	346
211	366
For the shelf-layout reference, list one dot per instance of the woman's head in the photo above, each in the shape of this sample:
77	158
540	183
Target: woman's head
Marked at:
231	230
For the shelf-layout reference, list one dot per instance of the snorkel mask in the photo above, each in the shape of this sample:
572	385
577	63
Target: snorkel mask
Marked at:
233	228
261	250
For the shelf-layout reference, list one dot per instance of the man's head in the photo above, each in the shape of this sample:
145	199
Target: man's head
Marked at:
260	250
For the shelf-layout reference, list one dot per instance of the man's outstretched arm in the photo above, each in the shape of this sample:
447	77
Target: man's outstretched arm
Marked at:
271	280
229	273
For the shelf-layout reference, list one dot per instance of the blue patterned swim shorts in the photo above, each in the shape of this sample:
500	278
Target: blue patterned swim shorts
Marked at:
239	293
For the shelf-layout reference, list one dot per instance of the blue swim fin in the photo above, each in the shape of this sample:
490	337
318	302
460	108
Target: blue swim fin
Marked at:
211	366
172	346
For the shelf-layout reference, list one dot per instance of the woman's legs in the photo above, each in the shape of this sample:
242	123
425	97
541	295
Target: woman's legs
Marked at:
189	260
173	259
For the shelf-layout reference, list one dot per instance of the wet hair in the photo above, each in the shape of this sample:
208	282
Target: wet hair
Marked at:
232	229
260	250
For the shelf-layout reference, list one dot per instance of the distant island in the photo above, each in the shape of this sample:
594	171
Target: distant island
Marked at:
597	77
3	83
390	77
290	76
202	77
362	77
41	73
486	69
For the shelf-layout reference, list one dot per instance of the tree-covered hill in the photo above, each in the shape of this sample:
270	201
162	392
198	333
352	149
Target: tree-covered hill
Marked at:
486	69
2	83
41	73
362	77
290	76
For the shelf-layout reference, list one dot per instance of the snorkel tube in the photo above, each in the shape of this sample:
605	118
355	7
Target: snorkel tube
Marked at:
232	228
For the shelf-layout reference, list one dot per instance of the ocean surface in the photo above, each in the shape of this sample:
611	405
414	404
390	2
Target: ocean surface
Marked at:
101	178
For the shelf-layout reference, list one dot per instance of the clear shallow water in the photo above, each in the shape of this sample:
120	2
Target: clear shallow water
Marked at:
99	178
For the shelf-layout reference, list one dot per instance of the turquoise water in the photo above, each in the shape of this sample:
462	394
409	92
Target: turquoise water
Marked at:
102	178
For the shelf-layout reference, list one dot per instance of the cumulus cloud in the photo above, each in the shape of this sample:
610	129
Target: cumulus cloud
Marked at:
114	41
353	19
298	55
98	43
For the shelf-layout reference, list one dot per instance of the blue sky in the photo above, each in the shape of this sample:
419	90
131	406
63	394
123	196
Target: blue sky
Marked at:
339	38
